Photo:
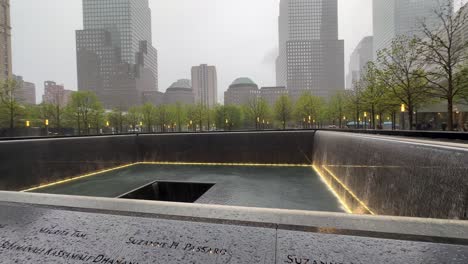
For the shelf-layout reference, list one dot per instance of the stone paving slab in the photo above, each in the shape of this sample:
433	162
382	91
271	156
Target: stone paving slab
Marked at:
33	234
315	248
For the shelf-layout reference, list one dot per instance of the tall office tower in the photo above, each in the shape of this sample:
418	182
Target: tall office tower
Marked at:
393	18
361	55
56	94
311	58
5	40
26	92
115	55
205	85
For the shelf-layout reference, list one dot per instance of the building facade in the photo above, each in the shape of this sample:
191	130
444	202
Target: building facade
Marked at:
180	92
361	55
56	94
115	55
272	94
26	92
241	91
393	18
311	57
205	85
5	40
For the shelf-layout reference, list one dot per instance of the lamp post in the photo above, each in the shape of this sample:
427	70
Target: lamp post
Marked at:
46	122
403	110
344	120
365	120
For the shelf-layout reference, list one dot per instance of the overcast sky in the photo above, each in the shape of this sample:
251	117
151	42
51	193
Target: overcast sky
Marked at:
239	37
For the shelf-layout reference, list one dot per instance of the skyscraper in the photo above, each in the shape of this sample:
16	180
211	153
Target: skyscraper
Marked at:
205	85
310	57
361	55
5	40
393	18
115	55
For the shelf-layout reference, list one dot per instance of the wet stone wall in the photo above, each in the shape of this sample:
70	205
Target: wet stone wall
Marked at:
395	177
29	163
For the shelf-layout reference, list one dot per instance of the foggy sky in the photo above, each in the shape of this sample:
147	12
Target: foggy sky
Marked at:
239	37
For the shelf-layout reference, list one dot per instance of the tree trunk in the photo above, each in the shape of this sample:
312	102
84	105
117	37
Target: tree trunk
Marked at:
450	114
410	117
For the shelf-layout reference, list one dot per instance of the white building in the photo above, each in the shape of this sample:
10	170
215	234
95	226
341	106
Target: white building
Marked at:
361	55
393	18
205	85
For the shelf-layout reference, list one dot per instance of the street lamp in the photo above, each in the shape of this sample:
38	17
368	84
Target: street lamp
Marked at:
47	126
28	124
365	120
403	110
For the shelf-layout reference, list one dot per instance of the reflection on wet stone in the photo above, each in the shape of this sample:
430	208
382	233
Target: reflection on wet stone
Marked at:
54	236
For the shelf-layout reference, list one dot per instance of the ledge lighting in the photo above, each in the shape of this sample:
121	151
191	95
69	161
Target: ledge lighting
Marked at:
162	163
77	178
347	207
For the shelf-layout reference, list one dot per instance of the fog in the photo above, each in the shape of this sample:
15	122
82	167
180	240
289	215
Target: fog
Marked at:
239	37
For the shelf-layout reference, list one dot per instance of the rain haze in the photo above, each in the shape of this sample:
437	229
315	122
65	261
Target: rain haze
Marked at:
239	37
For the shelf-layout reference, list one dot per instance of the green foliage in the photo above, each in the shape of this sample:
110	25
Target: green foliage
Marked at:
403	73
10	108
283	110
84	110
228	117
257	111
336	110
308	109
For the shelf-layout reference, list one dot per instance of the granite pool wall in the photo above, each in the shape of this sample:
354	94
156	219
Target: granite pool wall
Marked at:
395	176
33	162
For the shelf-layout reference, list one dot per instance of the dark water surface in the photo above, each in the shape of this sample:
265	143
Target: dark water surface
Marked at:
268	187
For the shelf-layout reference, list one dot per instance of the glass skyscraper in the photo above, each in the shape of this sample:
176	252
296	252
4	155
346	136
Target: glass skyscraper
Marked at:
116	58
311	57
393	18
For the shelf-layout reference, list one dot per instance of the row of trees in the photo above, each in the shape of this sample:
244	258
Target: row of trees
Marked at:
416	72
86	115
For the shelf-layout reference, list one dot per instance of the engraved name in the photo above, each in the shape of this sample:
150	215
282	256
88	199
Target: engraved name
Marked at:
203	249
63	254
291	259
62	232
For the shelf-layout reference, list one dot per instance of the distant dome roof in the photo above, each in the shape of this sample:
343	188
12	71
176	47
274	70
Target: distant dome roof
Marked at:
243	80
182	83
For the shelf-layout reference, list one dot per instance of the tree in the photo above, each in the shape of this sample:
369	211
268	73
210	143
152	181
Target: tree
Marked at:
96	118
163	117
117	119
178	112
81	108
373	95
10	107
309	109
228	117
257	110
197	114
444	52
354	102
148	113
283	110
337	107
134	117
403	72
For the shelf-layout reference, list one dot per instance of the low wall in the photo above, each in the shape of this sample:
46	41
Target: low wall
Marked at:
29	163
393	176
292	147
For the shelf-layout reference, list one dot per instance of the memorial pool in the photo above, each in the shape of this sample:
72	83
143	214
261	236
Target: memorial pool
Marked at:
297	188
